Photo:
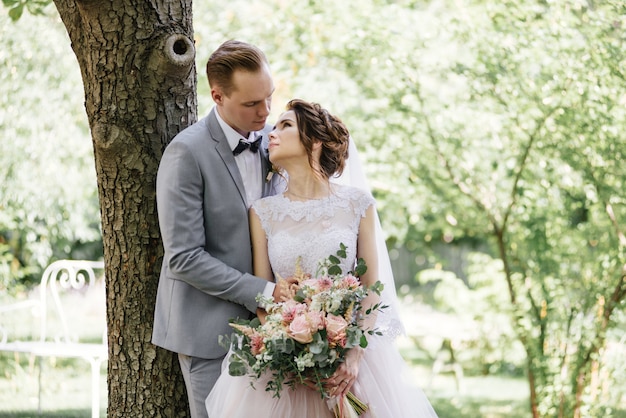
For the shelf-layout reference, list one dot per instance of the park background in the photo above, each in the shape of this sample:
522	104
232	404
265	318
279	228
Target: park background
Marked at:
492	136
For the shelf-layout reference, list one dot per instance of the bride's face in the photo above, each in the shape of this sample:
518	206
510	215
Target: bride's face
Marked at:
284	140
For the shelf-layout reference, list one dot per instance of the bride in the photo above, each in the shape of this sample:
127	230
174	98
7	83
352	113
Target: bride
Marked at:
308	222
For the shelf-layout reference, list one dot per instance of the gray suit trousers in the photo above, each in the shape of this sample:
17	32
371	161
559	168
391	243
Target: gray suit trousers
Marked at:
200	376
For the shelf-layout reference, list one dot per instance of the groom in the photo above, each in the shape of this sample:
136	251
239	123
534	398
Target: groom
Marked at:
208	177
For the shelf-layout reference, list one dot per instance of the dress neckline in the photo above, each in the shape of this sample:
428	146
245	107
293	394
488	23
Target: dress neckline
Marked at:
332	192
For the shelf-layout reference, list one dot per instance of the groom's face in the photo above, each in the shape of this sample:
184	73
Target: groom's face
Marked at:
248	105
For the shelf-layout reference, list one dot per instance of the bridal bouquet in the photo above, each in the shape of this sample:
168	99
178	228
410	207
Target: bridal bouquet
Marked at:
305	338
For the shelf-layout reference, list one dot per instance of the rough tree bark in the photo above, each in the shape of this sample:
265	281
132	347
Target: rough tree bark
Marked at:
137	64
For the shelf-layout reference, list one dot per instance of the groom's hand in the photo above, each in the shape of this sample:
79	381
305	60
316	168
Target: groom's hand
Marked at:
261	314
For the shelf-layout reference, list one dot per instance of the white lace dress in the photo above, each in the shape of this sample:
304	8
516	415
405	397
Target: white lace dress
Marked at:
313	230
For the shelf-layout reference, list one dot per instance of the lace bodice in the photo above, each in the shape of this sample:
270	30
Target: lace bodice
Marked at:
312	229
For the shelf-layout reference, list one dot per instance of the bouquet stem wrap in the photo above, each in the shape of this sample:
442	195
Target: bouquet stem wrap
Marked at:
348	406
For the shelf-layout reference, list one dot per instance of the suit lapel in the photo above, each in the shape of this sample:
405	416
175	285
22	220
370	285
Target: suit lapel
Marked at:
226	154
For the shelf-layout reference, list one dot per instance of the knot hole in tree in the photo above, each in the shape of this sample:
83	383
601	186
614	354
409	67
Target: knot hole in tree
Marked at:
180	52
180	47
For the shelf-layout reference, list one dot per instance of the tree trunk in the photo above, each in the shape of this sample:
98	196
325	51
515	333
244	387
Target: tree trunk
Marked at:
533	395
137	65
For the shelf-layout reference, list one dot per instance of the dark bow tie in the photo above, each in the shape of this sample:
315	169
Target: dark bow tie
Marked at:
252	146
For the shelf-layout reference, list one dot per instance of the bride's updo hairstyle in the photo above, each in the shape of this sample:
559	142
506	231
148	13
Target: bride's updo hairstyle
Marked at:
315	124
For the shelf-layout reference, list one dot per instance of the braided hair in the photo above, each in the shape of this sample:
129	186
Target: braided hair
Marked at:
316	124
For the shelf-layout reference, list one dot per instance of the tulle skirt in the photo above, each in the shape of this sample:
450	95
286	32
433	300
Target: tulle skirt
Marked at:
383	384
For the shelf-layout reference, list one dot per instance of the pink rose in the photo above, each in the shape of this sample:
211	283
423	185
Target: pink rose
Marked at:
305	325
336	329
300	329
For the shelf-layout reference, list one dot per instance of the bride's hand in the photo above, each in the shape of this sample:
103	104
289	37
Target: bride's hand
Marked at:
341	381
285	289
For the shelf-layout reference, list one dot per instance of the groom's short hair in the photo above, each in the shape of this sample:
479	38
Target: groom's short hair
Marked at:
232	55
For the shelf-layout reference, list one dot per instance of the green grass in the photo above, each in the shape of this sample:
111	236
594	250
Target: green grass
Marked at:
65	383
477	397
476	408
65	413
65	387
483	397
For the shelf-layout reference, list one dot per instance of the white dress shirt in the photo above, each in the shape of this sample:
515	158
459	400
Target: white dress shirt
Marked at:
248	162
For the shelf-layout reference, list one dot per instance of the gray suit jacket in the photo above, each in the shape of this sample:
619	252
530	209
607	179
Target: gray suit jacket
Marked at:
206	273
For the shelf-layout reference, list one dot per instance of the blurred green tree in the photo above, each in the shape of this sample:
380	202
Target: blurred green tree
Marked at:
48	201
516	135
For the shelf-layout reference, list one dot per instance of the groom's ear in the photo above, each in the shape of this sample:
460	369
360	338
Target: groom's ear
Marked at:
217	95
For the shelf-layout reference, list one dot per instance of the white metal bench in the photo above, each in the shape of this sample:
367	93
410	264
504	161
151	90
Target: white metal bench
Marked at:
65	285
